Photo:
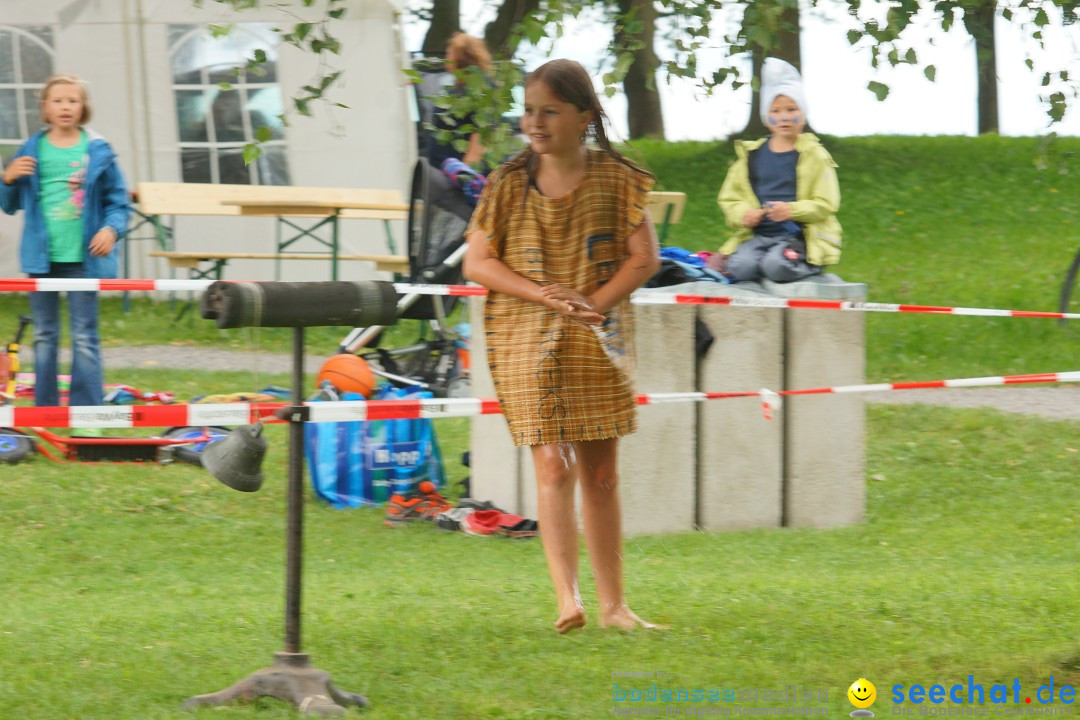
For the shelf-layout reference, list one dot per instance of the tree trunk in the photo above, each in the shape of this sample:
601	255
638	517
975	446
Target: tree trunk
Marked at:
497	32
644	113
979	22
788	48
445	21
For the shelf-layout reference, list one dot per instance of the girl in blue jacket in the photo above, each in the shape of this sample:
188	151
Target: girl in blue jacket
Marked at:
66	180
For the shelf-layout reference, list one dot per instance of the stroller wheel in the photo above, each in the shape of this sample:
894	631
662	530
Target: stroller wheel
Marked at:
459	387
14	446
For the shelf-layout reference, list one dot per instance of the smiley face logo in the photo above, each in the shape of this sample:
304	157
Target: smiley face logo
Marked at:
862	693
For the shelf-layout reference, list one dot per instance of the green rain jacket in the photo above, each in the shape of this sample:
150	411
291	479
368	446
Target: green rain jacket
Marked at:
817	198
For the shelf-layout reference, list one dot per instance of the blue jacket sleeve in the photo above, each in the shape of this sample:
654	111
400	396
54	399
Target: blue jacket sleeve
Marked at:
115	197
9	196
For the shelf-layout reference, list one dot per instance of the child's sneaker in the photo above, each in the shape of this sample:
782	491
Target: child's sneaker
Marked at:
402	508
429	492
426	504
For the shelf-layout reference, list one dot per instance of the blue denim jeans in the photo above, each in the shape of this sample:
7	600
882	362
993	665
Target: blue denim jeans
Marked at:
87	374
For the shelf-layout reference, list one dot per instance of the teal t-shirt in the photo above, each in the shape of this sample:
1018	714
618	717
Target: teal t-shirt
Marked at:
62	178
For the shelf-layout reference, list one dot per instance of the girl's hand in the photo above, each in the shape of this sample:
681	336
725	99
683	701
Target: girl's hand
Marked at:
102	243
778	211
570	303
751	218
19	167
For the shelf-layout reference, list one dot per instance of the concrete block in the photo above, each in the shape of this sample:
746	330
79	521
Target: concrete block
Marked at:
495	471
740	482
658	463
740	454
720	465
825	435
825	286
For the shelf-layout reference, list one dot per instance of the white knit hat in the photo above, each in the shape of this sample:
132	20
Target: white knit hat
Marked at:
780	78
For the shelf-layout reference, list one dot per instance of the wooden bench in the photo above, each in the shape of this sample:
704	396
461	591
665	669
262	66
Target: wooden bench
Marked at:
325	205
193	260
666	208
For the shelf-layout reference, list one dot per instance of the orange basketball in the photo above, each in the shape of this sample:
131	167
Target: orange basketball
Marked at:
347	373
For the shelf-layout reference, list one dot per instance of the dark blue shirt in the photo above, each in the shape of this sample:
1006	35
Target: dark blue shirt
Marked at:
772	177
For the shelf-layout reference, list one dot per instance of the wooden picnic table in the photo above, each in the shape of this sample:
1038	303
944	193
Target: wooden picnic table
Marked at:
154	201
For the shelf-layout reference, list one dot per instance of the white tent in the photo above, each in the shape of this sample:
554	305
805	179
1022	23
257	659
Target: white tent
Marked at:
151	66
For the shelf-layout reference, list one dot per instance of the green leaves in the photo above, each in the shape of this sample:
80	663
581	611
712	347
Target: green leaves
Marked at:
328	80
930	72
252	152
879	89
1057	106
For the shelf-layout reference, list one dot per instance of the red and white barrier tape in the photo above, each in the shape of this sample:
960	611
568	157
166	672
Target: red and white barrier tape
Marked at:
57	285
127	416
98	285
347	411
95	284
804	304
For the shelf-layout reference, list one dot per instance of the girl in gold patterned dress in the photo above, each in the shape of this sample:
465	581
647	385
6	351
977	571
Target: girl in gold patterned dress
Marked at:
560	238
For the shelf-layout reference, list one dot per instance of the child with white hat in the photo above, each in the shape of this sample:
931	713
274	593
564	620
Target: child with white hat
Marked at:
781	193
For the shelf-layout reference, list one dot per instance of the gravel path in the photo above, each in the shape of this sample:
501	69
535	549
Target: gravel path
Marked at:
1059	402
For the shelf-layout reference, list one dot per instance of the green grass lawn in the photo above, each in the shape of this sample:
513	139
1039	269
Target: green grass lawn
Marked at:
127	589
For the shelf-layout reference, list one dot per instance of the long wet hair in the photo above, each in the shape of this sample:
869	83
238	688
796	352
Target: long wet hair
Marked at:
570	83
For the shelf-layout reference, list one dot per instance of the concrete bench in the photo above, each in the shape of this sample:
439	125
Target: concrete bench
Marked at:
719	465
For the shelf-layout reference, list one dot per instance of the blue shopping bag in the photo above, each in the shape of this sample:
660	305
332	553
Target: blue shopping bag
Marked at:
359	463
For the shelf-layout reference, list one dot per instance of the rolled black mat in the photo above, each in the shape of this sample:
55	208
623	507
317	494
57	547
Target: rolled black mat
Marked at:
300	304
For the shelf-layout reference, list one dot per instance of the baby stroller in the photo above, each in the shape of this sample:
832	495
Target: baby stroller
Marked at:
438	216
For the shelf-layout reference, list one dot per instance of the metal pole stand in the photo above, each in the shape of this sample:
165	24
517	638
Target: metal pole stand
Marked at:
291	678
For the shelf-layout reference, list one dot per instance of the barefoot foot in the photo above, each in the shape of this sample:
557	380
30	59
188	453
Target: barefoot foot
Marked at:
572	619
623	618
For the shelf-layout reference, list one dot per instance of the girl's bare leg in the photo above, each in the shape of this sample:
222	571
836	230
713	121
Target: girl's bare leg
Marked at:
598	474
558	529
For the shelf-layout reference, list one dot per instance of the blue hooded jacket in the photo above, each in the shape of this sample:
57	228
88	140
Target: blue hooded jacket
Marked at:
106	205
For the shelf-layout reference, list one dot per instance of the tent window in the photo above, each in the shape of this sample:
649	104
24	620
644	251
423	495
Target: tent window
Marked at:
215	122
26	62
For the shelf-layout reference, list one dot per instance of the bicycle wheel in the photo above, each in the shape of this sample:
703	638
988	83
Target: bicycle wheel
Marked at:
1070	293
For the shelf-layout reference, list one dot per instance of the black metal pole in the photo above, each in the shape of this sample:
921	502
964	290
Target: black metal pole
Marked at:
291	678
294	537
